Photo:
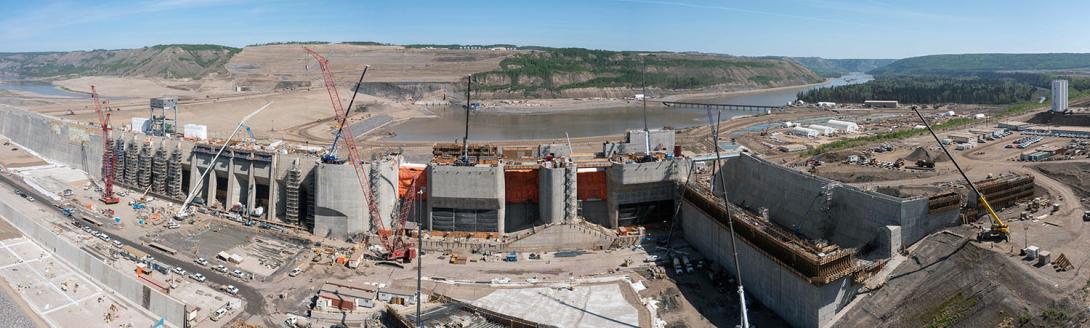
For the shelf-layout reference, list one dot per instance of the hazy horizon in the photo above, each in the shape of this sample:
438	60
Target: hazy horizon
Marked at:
794	28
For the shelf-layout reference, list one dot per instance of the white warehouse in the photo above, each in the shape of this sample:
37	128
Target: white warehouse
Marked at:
844	126
803	132
821	129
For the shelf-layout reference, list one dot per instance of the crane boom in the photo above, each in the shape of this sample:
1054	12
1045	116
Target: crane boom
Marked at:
999	228
107	151
353	152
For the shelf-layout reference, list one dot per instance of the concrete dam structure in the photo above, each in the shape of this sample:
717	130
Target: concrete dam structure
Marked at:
293	189
805	243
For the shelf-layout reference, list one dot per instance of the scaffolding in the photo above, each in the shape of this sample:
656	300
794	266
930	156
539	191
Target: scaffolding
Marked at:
174	174
159	171
144	178
132	164
294	181
119	160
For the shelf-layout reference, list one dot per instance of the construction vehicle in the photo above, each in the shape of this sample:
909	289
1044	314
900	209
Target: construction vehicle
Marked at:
107	152
394	247
999	230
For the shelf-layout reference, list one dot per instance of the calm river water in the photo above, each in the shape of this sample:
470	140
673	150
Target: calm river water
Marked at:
484	126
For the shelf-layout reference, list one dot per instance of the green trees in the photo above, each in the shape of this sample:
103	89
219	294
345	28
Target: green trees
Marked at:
927	90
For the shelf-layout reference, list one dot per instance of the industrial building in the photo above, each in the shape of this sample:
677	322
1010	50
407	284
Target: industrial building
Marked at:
1059	96
880	104
843	126
803	132
821	129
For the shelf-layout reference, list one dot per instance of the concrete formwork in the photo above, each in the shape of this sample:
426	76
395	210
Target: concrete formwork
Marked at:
777	287
820	208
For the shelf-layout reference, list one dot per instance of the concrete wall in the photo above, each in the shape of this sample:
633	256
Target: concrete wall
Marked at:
633	183
795	300
551	195
820	208
340	209
70	143
467	187
384	180
122	283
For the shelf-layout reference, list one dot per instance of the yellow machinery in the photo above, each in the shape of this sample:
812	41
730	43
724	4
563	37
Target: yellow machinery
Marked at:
999	229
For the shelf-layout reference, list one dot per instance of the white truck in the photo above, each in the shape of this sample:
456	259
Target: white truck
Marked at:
688	264
677	266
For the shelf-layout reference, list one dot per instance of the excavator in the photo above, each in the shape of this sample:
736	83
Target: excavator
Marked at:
999	231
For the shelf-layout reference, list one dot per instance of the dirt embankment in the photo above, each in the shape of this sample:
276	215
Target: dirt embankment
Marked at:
950	282
1076	175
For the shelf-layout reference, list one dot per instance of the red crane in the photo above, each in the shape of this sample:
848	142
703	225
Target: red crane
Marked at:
395	248
107	152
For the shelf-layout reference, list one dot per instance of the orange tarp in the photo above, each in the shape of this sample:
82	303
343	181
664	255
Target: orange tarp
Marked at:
591	185
405	176
520	186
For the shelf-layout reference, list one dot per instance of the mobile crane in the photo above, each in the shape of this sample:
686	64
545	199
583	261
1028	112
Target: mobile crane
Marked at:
999	229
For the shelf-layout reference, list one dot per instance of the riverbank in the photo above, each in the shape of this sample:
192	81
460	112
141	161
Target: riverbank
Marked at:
541	106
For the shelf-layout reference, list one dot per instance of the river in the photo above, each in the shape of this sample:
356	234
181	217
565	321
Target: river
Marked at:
43	89
490	126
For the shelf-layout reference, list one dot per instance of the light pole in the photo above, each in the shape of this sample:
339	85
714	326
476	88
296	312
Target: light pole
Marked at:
419	258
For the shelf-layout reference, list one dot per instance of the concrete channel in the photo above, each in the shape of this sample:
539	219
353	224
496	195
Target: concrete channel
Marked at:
254	301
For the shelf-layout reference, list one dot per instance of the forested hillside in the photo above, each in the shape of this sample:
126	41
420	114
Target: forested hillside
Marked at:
920	90
837	67
975	63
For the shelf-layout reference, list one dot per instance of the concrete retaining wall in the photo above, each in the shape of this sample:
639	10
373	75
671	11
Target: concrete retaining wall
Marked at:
820	208
122	283
78	146
797	301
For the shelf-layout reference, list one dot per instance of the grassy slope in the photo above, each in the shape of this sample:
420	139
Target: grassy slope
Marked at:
171	60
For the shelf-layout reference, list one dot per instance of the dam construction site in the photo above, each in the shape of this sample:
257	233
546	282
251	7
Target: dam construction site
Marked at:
342	185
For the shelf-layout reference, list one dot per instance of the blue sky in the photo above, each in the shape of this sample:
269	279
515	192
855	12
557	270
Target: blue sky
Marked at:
825	28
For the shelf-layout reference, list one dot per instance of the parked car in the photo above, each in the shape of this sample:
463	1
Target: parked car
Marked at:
231	289
295	272
198	277
117	243
179	270
216	316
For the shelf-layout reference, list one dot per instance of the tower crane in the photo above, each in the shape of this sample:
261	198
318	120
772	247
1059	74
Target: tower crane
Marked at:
107	152
394	248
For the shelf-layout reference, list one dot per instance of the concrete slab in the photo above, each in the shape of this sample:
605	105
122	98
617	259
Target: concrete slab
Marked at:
27	251
586	306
